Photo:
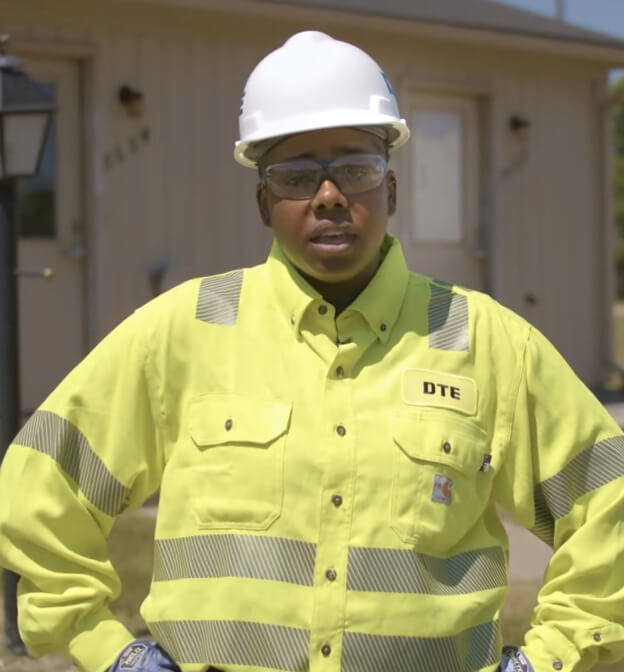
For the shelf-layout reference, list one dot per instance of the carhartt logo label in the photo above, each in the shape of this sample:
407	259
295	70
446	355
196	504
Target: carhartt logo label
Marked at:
422	387
442	489
131	657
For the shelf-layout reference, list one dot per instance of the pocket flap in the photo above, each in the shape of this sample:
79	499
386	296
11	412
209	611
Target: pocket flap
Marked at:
455	442
222	419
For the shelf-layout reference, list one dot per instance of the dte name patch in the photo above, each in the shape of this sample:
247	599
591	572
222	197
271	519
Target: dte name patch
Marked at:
422	387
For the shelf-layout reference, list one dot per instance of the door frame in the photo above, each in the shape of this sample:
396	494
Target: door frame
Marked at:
484	95
83	55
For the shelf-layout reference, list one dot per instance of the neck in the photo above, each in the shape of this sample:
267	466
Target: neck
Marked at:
342	294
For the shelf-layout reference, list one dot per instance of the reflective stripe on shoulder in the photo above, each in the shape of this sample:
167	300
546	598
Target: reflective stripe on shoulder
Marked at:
58	438
594	467
218	299
448	326
472	649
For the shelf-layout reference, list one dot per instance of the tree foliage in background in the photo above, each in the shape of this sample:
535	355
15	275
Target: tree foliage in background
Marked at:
618	181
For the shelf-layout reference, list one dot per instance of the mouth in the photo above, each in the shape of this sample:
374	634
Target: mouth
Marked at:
333	241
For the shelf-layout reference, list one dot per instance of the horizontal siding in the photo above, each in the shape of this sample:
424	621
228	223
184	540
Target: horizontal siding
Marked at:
175	196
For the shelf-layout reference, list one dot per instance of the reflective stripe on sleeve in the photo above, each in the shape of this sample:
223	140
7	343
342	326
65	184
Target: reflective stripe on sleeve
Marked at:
470	650
594	467
447	320
218	299
56	437
234	643
388	570
210	556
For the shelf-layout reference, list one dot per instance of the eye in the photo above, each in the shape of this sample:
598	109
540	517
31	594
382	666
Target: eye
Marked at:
293	178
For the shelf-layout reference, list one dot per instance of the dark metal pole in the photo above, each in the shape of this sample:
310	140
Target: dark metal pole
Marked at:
9	379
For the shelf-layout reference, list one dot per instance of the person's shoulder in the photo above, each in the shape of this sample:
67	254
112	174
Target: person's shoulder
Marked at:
199	298
484	311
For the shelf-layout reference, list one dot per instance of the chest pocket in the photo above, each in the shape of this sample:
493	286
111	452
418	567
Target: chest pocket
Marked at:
241	442
440	487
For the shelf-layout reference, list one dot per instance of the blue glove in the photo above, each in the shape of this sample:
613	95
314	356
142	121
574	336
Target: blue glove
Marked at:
143	656
514	661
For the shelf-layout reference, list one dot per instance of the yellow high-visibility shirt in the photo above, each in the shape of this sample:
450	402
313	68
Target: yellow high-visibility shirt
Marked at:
328	483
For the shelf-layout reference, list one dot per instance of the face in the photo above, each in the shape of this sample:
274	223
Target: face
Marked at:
333	239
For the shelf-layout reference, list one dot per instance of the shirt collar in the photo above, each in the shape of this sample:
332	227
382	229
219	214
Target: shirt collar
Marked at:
379	303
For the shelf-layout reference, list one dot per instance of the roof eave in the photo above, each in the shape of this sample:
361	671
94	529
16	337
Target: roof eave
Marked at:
313	17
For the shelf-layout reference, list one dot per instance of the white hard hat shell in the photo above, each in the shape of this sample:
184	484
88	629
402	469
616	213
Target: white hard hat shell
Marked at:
314	82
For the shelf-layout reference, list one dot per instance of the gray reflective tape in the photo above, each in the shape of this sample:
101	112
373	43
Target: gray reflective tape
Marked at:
448	326
52	435
594	467
387	570
218	299
469	650
544	525
218	555
234	643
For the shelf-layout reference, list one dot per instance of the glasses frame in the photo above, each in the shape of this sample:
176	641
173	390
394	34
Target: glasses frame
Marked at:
265	174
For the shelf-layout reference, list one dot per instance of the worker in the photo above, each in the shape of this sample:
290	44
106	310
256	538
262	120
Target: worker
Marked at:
332	437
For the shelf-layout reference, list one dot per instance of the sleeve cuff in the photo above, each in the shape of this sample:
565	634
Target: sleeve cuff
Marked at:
96	648
549	649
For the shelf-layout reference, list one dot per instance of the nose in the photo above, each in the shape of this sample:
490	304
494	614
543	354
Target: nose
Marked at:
329	196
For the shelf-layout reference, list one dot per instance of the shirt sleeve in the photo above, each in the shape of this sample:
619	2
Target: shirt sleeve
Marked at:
563	478
89	453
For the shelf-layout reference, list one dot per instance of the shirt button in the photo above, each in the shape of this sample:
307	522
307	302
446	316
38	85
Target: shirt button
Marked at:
340	372
340	430
337	501
322	309
331	575
228	424
597	637
557	665
383	327
326	650
446	447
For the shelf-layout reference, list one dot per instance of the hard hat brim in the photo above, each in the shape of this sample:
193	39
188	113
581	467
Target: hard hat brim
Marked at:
242	149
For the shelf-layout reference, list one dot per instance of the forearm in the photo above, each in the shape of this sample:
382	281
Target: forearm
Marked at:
56	542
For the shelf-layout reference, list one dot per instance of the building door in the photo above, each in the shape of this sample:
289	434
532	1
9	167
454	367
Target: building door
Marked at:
441	226
50	225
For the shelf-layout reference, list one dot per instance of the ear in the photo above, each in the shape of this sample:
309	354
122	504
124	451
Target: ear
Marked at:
391	181
263	205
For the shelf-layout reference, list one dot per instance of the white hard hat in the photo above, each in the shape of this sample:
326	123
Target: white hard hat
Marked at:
314	82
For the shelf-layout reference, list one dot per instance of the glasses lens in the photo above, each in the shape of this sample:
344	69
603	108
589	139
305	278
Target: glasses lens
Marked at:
300	178
358	172
294	179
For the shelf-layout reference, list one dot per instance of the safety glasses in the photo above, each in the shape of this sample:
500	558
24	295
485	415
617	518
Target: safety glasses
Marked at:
301	178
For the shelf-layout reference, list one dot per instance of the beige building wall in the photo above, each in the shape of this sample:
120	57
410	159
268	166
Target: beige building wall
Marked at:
164	189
